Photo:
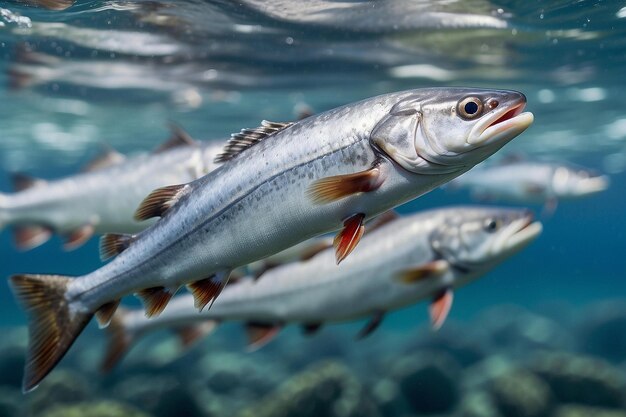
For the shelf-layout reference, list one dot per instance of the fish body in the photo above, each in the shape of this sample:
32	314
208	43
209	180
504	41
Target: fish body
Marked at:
393	267
532	182
331	171
102	200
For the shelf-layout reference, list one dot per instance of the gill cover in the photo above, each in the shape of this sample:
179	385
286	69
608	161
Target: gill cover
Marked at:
397	134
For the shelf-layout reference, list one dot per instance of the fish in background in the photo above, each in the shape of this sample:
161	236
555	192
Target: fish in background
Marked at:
48	4
521	181
422	256
281	183
104	197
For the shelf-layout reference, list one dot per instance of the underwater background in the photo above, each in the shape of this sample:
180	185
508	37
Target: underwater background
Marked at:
544	334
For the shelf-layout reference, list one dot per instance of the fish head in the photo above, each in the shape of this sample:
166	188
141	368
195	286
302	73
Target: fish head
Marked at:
445	130
571	182
474	239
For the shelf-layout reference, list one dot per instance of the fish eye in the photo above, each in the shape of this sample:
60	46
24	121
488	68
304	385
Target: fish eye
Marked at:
470	108
492	225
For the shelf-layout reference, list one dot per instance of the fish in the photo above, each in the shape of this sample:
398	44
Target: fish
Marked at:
102	198
278	185
427	255
49	4
518	180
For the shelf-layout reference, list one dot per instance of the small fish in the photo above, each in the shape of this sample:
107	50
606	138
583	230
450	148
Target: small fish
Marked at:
49	4
422	256
103	198
281	183
528	182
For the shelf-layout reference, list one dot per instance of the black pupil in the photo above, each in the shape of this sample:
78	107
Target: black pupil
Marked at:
471	107
492	225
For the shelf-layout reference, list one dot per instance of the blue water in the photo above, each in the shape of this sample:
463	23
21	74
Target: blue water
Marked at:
118	72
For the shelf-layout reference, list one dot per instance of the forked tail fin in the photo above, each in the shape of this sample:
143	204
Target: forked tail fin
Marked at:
52	326
122	338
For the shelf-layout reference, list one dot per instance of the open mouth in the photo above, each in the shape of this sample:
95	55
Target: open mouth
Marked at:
501	125
524	231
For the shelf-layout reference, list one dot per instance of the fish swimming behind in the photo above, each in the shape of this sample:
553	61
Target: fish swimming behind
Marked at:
104	197
281	183
530	182
422	256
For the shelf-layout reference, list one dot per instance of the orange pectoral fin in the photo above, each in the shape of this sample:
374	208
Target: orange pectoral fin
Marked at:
327	190
440	307
419	273
347	239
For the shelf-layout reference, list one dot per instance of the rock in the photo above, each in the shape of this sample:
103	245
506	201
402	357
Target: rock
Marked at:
11	401
94	409
581	380
580	411
60	387
160	395
520	393
512	330
602	331
325	389
453	339
477	404
429	382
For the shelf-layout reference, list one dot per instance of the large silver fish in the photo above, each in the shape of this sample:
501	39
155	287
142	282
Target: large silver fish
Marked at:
422	256
104	198
522	181
283	183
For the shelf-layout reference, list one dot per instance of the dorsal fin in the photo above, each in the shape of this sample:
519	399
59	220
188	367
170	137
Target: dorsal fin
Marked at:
23	182
178	137
113	244
159	201
108	157
247	138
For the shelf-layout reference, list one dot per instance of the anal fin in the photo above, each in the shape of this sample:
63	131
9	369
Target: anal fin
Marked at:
105	313
347	239
440	307
371	325
189	335
155	299
206	290
260	334
29	237
78	237
330	189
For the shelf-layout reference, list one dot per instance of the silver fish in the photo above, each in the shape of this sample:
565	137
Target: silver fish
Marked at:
283	183
527	182
104	197
422	256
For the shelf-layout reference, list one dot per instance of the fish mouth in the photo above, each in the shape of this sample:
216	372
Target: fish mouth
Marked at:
502	124
522	232
593	185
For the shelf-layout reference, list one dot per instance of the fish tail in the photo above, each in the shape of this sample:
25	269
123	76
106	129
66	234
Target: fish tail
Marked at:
52	325
120	340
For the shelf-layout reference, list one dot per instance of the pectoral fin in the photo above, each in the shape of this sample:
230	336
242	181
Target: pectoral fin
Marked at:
327	190
440	307
105	313
428	270
347	239
159	201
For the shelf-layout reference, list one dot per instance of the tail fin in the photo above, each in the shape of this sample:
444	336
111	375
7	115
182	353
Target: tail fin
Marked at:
52	326
121	338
